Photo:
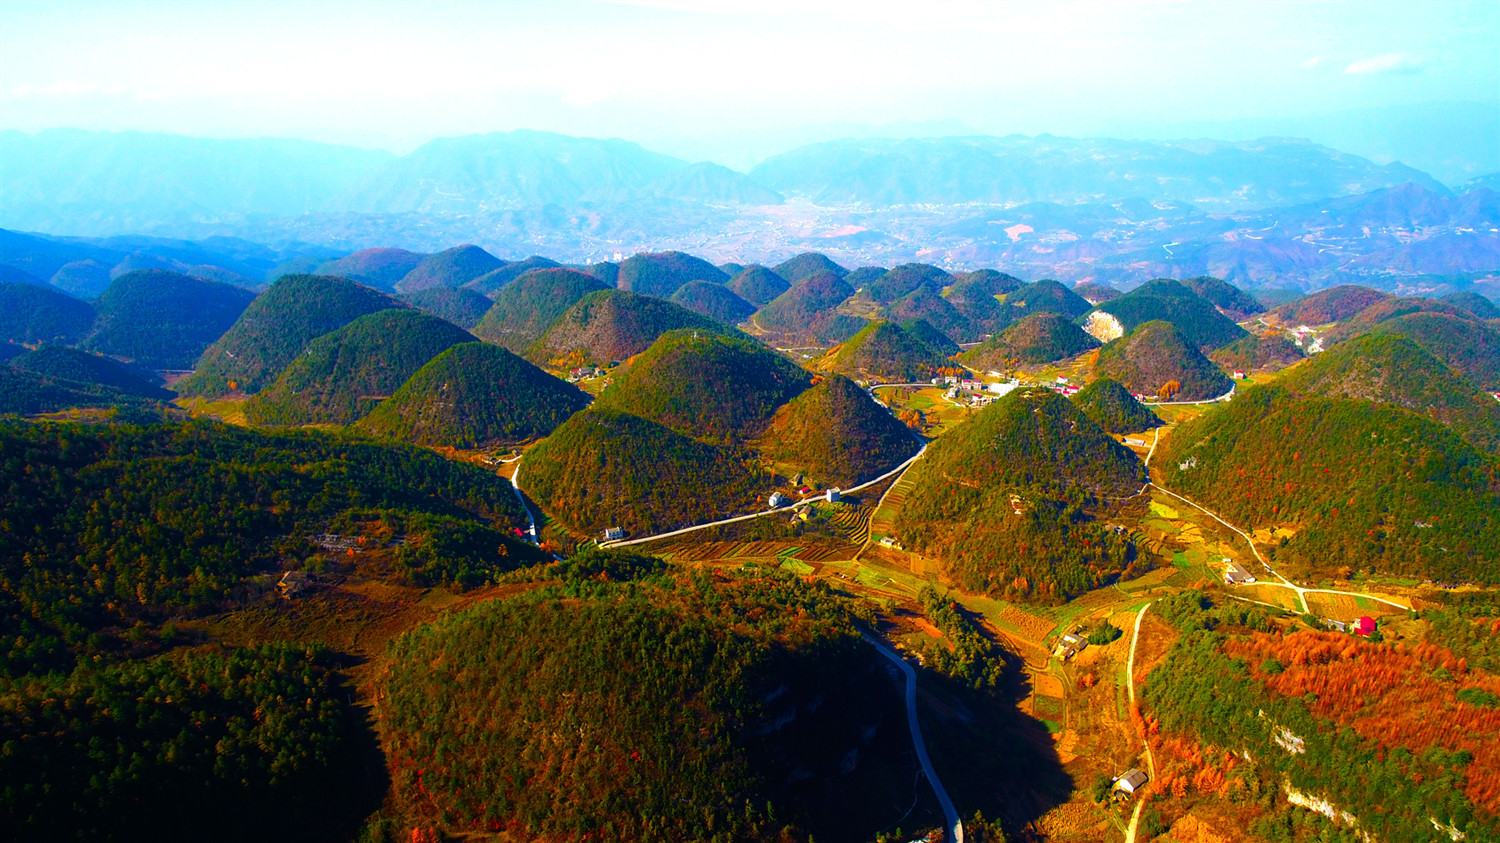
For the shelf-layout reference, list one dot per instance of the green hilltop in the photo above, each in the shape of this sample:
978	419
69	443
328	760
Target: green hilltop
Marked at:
1365	486
757	285
463	308
30	313
1038	338
837	435
1234	302
1113	408
71	364
378	268
525	308
905	279
1004	497
1156	353
662	273
475	395
1170	301
1470	347
926	332
163	320
806	311
883	351
495	280
1269	353
603	468
1044	296
449	268
712	708
926	304
713	388
1334	304
1393	369
276	327
612	325
714	301
343	374
805	265
1475	304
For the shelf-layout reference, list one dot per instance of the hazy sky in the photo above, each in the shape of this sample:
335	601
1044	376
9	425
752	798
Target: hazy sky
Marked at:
396	74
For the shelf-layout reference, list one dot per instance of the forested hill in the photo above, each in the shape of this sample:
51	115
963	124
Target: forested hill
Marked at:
1171	301
1155	355
837	435
1038	338
176	516
603	468
883	351
1002	498
1392	369
711	387
475	395
526	307
163	320
344	374
609	326
1366	486
276	327
714	707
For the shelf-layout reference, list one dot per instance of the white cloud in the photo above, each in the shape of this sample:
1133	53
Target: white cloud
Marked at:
1311	63
63	88
1387	63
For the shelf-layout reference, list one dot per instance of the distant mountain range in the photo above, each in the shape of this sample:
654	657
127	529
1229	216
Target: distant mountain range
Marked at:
1273	212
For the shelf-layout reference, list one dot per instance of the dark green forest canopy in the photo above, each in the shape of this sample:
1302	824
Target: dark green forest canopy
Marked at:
883	351
1038	338
342	375
837	435
526	307
71	364
1004	499
462	307
1170	301
1393	369
449	268
609	326
604	468
1155	353
475	395
1257	354
30	313
714	388
808	263
662	273
715	301
107	524
1369	487
1112	407
684	686
492	282
276	327
758	285
254	744
163	320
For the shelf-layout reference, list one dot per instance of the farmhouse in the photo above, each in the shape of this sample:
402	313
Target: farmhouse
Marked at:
612	534
1235	575
1364	626
1132	781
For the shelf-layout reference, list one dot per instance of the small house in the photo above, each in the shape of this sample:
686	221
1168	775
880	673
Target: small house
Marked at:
776	499
1330	623
832	496
613	534
1133	441
1131	782
1364	626
1235	575
1239	375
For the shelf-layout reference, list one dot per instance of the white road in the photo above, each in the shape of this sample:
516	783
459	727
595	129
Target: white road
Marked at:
1135	638
950	813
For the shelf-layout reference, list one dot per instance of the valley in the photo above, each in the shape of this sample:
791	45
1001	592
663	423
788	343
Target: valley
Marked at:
1036	524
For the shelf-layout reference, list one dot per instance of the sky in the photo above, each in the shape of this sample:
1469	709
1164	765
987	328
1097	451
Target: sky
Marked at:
731	80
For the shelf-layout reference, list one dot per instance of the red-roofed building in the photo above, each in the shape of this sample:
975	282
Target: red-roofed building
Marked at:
1364	626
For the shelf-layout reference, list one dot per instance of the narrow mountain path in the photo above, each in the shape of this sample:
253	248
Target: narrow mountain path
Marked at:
950	814
1135	638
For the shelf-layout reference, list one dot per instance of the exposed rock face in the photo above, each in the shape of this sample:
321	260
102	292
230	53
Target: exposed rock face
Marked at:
1103	327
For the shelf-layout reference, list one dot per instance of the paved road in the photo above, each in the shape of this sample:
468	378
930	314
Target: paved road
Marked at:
1301	591
950	813
515	486
1135	638
804	502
